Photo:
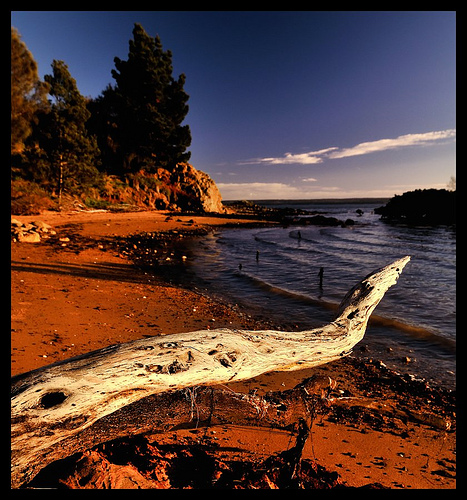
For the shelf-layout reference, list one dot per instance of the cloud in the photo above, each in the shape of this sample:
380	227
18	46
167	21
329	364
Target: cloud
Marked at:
282	191
402	141
314	157
257	190
310	179
302	158
275	191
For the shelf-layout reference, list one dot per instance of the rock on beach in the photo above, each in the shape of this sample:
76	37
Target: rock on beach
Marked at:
30	232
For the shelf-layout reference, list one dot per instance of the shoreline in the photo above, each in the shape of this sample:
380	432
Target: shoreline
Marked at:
77	273
401	344
72	299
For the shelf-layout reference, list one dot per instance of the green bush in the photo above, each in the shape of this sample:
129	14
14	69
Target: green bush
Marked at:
96	204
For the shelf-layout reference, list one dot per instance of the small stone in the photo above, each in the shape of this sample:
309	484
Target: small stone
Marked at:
43	226
31	237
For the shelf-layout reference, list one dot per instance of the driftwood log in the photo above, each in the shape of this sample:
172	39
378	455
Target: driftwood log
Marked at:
54	409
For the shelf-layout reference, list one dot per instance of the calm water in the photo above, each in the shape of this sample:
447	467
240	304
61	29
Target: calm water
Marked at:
416	318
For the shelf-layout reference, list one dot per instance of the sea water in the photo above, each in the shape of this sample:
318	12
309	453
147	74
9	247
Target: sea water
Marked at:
273	272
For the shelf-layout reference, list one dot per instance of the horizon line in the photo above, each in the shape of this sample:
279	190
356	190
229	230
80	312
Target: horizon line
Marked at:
299	200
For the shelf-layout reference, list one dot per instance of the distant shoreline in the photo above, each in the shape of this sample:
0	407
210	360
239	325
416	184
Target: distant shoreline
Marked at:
321	201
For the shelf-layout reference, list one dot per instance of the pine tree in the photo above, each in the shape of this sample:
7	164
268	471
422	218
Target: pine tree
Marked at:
149	106
102	123
67	152
28	93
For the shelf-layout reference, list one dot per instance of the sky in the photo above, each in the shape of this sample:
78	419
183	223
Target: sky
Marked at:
290	104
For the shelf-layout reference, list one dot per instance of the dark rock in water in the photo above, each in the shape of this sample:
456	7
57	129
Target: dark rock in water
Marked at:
251	209
321	220
421	207
284	215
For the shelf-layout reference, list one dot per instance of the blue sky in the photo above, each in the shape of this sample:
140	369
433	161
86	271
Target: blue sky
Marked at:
288	104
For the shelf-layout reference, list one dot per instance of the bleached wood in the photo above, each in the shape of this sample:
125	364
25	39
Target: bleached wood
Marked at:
57	402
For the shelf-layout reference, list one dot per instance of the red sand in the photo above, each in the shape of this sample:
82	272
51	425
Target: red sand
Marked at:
74	299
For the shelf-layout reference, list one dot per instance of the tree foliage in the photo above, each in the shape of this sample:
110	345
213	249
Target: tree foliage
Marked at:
64	143
65	154
28	93
139	120
452	183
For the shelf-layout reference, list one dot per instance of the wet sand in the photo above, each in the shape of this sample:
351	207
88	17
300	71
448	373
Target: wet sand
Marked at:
72	297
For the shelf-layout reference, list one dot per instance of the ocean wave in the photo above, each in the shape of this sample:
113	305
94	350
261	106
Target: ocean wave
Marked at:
414	332
284	292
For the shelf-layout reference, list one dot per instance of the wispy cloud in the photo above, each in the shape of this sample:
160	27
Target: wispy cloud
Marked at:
257	190
426	139
274	191
313	157
302	158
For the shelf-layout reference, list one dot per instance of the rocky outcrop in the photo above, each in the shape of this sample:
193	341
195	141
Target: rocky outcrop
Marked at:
196	191
183	188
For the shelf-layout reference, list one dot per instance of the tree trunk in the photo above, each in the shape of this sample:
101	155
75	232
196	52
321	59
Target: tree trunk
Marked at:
54	408
60	180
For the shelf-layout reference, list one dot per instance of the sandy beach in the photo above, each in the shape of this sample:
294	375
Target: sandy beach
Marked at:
78	291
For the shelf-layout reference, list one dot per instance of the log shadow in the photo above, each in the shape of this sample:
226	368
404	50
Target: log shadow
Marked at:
103	271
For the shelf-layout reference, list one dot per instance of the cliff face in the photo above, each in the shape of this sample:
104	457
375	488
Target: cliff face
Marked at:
197	191
183	188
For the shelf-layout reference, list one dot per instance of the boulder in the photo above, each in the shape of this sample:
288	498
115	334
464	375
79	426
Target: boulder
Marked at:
29	237
42	226
196	190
